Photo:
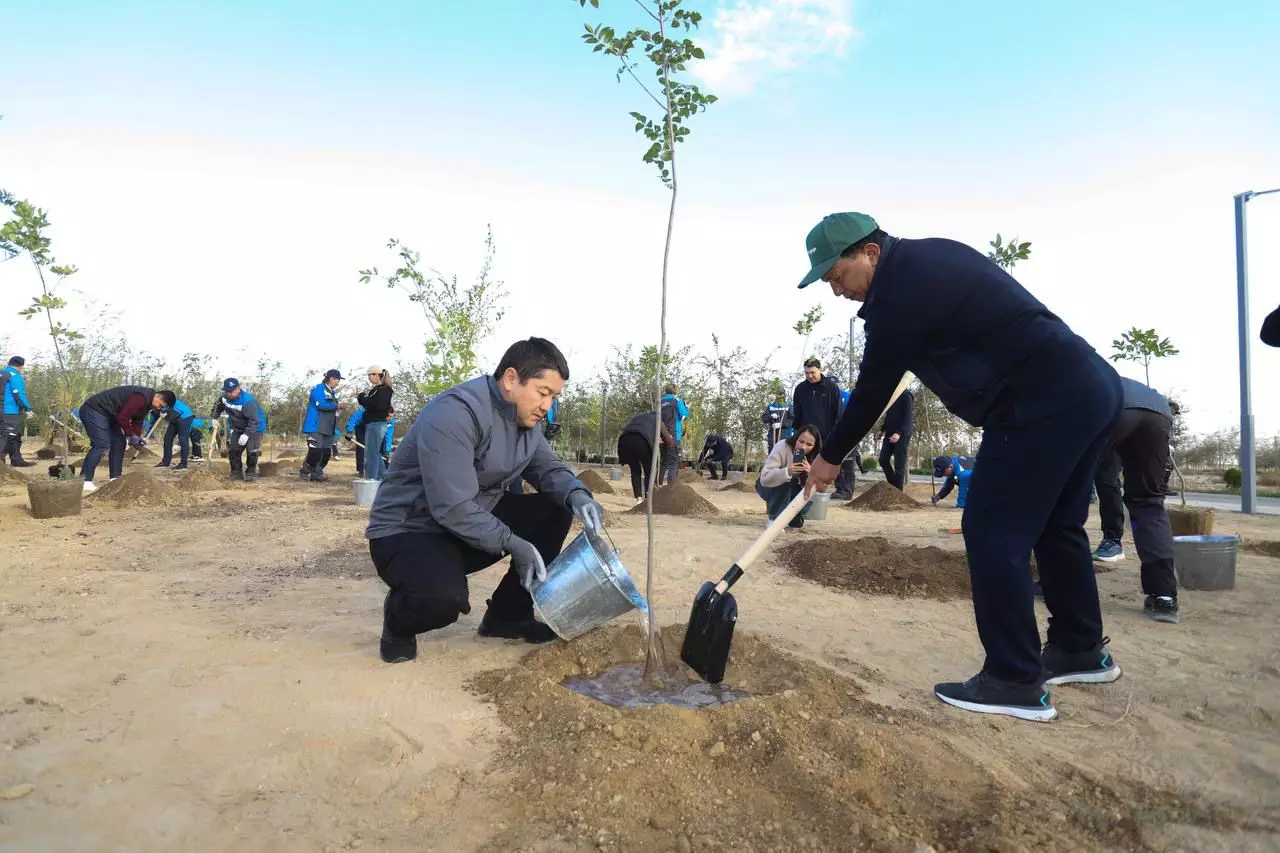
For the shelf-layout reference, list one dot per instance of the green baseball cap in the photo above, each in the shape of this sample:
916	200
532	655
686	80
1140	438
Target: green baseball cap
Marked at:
835	233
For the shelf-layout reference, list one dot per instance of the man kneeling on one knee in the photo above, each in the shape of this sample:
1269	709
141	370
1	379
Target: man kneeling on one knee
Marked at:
443	510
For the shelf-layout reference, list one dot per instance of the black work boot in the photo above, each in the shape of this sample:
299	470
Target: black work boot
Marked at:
529	629
251	468
395	649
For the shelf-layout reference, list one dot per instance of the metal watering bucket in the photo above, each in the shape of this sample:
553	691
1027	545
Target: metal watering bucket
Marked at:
586	586
615	472
816	510
365	491
1205	562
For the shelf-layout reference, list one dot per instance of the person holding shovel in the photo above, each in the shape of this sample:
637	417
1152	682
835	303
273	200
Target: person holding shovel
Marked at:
354	431
635	450
321	427
376	404
180	418
443	511
113	420
1047	403
14	388
246	425
716	450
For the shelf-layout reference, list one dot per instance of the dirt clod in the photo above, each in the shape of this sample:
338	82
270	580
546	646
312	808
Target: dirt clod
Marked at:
591	478
138	488
874	565
883	497
10	477
740	486
1265	547
203	480
677	499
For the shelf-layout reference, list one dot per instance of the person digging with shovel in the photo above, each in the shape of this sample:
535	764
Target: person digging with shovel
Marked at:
999	359
113	419
443	510
246	424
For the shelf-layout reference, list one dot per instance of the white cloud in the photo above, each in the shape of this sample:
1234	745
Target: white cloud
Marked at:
753	38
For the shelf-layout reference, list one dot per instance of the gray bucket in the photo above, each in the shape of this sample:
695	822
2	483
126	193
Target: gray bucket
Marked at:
1205	562
365	491
816	509
586	586
615	473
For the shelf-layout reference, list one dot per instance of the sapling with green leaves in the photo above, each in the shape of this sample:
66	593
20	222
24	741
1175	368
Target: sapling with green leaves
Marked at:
1143	346
1007	255
25	233
651	56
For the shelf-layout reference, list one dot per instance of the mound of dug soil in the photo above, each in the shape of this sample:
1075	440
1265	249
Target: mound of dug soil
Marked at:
877	566
11	480
138	488
1265	547
597	484
883	497
803	764
676	499
740	486
203	480
289	454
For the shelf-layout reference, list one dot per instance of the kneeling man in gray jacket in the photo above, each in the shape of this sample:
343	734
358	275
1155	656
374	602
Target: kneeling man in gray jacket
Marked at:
443	510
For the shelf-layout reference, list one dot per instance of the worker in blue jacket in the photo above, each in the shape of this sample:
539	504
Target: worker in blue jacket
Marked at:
999	359
14	388
179	417
847	480
321	427
953	471
777	421
246	425
354	431
674	411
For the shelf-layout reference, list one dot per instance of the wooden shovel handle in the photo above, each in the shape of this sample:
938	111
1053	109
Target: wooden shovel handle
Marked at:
797	503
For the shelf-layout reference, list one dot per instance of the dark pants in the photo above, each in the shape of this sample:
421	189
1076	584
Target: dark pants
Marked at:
1029	491
1140	445
776	498
724	467
360	433
637	454
893	459
847	479
181	430
669	463
105	437
196	436
427	572
11	438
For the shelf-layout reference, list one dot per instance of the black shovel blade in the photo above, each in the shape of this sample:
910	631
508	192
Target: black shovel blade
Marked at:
710	633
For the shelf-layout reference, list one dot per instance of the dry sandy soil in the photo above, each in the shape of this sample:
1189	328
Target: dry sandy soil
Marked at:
204	676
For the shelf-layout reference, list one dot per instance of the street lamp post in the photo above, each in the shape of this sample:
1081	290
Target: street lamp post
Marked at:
1248	461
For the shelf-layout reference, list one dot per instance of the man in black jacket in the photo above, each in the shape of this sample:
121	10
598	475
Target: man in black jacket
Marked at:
897	427
816	400
1047	403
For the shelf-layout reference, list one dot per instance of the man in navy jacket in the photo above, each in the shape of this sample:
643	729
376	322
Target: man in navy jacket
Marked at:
899	422
1046	401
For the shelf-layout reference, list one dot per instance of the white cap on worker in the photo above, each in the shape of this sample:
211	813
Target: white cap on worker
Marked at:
373	368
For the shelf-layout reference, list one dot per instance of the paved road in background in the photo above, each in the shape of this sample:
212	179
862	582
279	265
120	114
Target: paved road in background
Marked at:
1226	503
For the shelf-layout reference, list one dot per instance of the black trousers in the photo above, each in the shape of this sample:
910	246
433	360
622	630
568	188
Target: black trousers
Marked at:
847	479
893	459
359	431
196	438
11	438
181	430
724	468
427	572
1010	514
637	454
1140	448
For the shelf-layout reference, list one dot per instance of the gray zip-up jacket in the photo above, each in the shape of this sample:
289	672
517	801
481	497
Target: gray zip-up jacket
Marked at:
455	464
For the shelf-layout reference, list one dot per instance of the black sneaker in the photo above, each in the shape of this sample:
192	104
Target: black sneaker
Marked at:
530	630
842	496
163	464
180	467
319	477
236	474
796	523
987	694
392	648
1095	666
304	473
1161	608
250	475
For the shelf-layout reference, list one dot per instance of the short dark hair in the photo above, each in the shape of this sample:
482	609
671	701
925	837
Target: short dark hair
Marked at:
812	362
529	358
169	398
817	440
17	361
877	236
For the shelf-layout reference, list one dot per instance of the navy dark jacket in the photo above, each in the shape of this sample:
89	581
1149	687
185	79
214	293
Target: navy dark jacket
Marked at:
967	329
901	416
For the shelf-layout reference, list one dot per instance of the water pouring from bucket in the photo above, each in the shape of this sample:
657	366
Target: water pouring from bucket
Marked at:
586	586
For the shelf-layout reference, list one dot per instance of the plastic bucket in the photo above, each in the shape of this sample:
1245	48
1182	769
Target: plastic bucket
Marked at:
586	586
615	473
1205	562
365	491
817	508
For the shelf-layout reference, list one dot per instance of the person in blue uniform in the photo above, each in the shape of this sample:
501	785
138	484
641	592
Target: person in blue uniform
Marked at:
14	388
179	417
848	480
321	427
674	411
1000	360
777	421
953	471
246	426
198	426
1140	449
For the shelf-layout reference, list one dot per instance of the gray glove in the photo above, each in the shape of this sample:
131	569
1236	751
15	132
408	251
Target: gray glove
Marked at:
588	511
527	562
244	439
136	442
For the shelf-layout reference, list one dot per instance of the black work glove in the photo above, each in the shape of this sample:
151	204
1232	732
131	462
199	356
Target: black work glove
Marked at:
527	562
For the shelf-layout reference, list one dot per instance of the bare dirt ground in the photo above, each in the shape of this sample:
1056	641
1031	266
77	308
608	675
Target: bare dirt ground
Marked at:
204	676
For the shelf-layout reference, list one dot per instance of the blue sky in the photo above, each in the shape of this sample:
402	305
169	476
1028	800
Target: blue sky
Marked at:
269	149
